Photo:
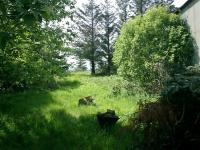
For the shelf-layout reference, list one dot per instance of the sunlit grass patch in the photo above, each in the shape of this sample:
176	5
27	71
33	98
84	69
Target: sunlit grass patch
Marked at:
53	120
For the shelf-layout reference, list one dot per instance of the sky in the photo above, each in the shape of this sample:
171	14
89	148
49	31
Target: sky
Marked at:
177	3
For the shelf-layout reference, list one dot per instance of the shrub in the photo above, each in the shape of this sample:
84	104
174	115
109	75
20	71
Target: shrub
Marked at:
173	121
183	88
153	47
126	88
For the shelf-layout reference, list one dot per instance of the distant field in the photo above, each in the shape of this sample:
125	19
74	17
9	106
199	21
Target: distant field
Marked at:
52	119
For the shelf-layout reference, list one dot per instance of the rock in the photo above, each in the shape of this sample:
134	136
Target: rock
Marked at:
85	101
107	119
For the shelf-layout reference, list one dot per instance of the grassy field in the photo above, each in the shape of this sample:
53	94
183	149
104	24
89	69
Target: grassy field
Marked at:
40	120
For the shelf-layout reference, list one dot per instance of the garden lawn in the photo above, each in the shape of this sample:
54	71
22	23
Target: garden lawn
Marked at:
52	120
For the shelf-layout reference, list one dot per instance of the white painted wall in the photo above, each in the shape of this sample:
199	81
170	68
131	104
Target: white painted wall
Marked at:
192	14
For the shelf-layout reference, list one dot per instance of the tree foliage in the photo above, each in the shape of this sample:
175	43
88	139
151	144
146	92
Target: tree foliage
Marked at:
153	47
31	48
108	35
87	42
130	8
139	7
124	11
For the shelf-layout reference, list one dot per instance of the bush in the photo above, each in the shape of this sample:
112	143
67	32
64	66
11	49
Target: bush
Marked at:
126	88
153	47
183	88
173	121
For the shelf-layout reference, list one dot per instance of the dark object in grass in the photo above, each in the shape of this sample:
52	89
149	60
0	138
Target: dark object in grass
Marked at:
107	119
85	101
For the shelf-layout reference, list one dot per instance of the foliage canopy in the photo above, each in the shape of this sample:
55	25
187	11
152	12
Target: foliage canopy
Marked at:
31	48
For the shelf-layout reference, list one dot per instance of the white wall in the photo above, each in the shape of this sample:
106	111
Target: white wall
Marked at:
192	14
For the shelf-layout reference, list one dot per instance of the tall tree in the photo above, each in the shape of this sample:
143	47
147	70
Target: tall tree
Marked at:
130	8
123	9
108	36
140	6
124	12
87	20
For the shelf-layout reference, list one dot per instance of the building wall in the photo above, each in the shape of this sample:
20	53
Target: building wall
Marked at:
192	14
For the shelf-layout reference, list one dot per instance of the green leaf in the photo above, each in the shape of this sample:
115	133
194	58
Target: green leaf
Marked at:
4	38
3	9
29	19
46	13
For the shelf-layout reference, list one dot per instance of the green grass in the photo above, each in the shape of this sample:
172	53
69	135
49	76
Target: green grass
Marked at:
52	120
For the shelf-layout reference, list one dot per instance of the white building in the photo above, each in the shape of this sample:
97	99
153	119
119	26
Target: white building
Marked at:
191	12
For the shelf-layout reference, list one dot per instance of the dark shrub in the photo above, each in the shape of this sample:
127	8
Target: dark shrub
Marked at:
173	121
183	88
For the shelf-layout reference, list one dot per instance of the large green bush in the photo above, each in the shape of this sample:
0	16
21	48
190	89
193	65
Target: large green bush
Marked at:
153	47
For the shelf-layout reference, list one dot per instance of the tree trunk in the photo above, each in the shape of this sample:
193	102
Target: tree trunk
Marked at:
109	64
92	67
109	59
93	46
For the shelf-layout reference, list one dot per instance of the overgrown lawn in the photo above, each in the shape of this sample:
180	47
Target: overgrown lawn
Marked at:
52	119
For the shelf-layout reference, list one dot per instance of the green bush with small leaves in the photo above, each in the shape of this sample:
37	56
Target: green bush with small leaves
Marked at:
153	47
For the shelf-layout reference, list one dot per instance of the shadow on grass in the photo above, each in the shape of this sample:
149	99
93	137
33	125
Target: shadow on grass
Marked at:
60	132
67	84
81	74
32	100
26	102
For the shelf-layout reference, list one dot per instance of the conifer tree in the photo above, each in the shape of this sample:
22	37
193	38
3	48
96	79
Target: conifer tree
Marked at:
87	21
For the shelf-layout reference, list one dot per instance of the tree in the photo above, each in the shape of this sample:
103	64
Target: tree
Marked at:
81	65
87	20
140	6
153	47
124	12
31	48
108	36
130	8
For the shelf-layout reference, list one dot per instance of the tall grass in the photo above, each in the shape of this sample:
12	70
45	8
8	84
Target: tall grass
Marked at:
37	120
